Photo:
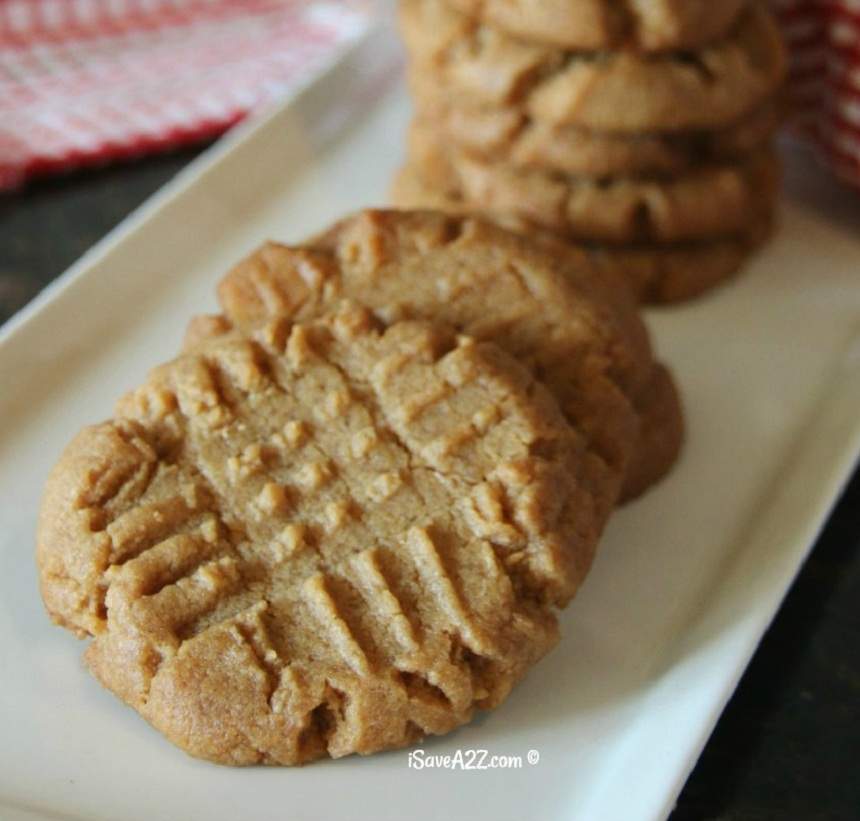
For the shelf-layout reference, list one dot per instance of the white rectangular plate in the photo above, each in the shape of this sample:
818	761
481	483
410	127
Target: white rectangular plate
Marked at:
686	581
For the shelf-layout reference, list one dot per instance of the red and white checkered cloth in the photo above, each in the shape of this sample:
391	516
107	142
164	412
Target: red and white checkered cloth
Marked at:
824	40
89	81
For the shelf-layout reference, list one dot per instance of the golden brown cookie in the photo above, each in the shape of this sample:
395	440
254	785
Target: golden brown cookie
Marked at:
579	332
334	538
655	273
593	25
504	135
622	91
708	201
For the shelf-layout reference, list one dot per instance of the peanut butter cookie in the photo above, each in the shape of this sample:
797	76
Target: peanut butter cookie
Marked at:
578	330
605	91
592	25
506	136
708	201
334	538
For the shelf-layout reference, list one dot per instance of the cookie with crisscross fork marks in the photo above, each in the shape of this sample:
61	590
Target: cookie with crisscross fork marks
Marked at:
621	91
573	325
334	538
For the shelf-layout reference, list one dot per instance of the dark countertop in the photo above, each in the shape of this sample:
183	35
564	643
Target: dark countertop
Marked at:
788	744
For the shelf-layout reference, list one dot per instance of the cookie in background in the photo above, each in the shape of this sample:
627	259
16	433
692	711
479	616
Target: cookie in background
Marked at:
653	153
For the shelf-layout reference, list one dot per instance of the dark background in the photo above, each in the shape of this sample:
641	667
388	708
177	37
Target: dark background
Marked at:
787	746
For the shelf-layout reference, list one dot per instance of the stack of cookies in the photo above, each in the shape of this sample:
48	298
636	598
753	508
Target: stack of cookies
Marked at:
348	513
641	131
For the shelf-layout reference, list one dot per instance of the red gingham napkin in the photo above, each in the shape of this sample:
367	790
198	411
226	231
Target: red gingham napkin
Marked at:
90	81
823	37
